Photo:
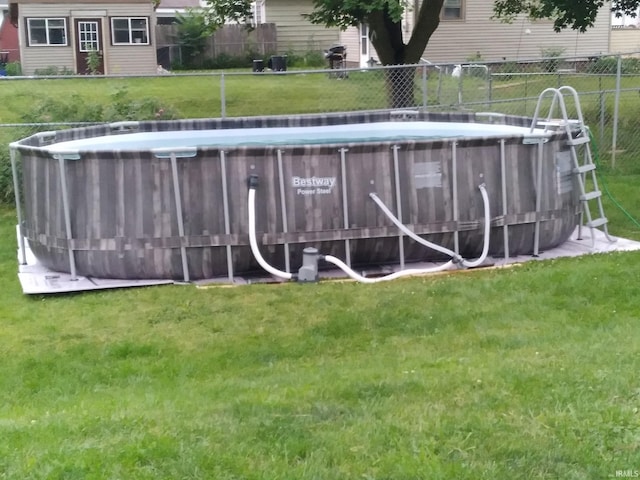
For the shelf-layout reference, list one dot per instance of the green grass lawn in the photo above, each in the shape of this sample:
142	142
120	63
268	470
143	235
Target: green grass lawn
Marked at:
529	372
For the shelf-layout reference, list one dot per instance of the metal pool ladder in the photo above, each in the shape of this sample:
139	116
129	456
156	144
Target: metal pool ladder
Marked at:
579	142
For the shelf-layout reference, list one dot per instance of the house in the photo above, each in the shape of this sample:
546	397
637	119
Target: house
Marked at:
167	10
9	48
625	35
468	22
477	35
64	35
295	32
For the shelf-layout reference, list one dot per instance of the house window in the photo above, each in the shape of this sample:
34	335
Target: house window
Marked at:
129	31
47	31
453	10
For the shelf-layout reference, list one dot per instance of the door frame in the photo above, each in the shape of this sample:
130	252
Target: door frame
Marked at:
87	39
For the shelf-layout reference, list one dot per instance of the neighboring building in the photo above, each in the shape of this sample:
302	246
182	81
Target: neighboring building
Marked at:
295	32
9	47
625	35
476	34
469	22
167	10
63	34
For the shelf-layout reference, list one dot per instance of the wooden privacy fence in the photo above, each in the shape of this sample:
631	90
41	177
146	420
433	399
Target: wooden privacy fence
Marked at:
232	40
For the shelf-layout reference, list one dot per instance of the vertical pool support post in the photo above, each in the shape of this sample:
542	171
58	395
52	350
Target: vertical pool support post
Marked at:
16	193
396	173
67	215
225	212
178	201
538	186
283	211
345	203
454	180
505	210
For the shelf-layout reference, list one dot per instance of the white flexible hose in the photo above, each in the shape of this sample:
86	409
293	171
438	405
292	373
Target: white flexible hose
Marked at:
254	244
487	231
411	234
392	276
439	248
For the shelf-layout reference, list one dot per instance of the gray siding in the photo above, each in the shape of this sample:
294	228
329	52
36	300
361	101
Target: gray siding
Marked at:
350	38
625	40
121	59
456	41
295	33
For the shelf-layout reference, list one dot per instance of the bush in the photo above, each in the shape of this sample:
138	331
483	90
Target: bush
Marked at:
551	55
13	69
309	59
609	65
53	71
75	109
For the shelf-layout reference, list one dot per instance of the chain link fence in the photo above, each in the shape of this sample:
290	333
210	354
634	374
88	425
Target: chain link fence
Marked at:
608	86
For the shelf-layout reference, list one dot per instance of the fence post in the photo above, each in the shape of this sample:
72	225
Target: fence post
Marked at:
616	104
602	109
460	86
223	100
424	86
490	90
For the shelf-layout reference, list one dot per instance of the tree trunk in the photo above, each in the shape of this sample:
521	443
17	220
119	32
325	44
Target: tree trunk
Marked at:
401	86
386	35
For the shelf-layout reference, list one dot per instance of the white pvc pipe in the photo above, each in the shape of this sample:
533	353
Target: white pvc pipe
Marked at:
392	276
254	244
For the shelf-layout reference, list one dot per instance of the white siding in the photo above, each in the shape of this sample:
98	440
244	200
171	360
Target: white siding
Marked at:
121	59
456	41
131	60
350	38
296	33
625	40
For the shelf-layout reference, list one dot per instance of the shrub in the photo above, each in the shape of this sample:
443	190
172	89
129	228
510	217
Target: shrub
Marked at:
53	71
193	33
551	55
609	65
75	109
13	69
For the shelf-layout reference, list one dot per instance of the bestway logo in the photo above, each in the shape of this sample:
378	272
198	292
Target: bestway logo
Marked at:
313	185
327	182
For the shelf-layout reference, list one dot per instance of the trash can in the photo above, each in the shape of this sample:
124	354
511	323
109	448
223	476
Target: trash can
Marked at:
278	63
258	66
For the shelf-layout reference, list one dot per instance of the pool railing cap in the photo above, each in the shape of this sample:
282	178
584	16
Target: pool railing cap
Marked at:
536	136
178	152
127	124
65	154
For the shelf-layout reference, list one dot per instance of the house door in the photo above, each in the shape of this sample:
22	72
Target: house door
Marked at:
365	52
89	54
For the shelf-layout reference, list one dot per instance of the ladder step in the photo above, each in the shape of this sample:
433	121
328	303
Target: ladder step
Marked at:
585	168
597	222
557	122
591	195
578	141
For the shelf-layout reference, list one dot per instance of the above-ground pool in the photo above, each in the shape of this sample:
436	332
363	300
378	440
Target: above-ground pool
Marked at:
168	199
